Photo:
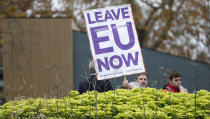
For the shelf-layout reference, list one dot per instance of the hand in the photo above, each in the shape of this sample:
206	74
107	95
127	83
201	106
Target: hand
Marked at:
125	83
182	89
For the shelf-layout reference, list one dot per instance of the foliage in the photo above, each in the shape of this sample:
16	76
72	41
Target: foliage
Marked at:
136	103
178	27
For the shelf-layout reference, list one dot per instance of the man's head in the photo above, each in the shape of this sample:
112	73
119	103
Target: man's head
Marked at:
175	78
91	67
142	79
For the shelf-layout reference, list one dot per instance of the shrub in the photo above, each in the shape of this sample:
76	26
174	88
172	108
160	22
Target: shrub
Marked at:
130	104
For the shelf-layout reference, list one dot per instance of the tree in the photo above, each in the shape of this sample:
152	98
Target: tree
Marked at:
173	26
178	27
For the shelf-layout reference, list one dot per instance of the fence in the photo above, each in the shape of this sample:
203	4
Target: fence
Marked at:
37	57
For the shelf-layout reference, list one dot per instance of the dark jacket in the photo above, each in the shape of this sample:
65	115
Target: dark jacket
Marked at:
91	83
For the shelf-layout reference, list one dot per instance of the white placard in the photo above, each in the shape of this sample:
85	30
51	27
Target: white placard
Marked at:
113	41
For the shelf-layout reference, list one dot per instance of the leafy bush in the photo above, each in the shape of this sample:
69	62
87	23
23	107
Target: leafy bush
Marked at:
144	103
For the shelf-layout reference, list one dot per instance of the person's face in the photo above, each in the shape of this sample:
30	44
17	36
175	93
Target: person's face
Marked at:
176	82
142	79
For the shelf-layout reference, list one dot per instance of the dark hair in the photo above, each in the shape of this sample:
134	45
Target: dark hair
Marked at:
174	74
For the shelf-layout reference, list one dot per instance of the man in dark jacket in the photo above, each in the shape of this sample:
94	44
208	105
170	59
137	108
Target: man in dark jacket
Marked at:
93	84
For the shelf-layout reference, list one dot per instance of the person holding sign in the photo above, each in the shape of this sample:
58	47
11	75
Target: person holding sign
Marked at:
174	83
140	82
93	84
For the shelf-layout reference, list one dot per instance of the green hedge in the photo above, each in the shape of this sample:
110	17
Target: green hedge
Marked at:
147	103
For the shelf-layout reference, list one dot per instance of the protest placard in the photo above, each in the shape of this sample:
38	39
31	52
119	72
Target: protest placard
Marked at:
113	41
